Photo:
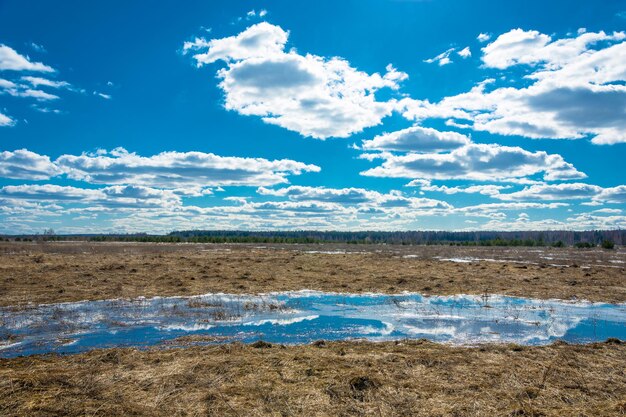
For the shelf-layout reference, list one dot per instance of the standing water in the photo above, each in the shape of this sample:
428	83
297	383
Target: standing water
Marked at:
302	317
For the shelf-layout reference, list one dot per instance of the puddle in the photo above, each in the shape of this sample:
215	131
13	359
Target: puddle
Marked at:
303	317
333	252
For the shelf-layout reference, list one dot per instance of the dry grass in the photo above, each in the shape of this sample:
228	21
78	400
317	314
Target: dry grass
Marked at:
339	379
55	272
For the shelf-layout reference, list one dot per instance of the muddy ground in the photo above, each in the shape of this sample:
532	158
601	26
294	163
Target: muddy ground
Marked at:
56	272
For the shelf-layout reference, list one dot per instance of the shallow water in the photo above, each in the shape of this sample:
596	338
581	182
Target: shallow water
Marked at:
303	317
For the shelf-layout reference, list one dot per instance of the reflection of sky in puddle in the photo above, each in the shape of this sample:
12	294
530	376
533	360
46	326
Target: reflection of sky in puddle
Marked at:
302	317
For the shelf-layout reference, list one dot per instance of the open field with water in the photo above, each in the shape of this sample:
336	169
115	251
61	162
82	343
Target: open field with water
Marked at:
193	356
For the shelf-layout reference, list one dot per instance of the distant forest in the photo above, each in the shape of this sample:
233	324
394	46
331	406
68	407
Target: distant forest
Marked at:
605	238
521	238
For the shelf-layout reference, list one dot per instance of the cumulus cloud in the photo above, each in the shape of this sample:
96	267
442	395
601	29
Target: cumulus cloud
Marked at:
353	196
513	47
11	60
417	139
178	169
591	221
487	209
487	189
483	37
568	191
187	173
608	211
113	197
312	95
613	194
576	89
482	162
584	221
532	47
26	165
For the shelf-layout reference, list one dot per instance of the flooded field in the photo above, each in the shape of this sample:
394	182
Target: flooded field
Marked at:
381	330
304	317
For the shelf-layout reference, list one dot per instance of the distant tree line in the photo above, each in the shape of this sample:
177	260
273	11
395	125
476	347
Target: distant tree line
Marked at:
557	238
487	238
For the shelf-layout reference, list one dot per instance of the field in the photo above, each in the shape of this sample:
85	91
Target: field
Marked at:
326	378
57	272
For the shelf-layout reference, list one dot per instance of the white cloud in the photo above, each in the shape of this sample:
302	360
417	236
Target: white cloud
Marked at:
26	165
418	183
589	221
354	196
575	90
465	52
185	173
253	13
608	211
6	120
488	189
24	90
30	87
7	85
10	60
585	221
482	162
112	197
38	95
308	94
613	194
482	210
45	109
39	81
483	37
568	191
37	47
417	139
178	169
441	59
513	47
102	95
258	41
531	47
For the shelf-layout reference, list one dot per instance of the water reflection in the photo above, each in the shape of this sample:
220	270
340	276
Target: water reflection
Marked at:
302	317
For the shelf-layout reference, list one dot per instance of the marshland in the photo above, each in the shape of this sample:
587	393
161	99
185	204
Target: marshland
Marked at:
238	335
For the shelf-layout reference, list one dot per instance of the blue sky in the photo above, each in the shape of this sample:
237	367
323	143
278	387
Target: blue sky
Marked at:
381	115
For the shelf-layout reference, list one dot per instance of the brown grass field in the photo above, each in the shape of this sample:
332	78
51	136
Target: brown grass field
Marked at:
323	379
56	272
335	379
